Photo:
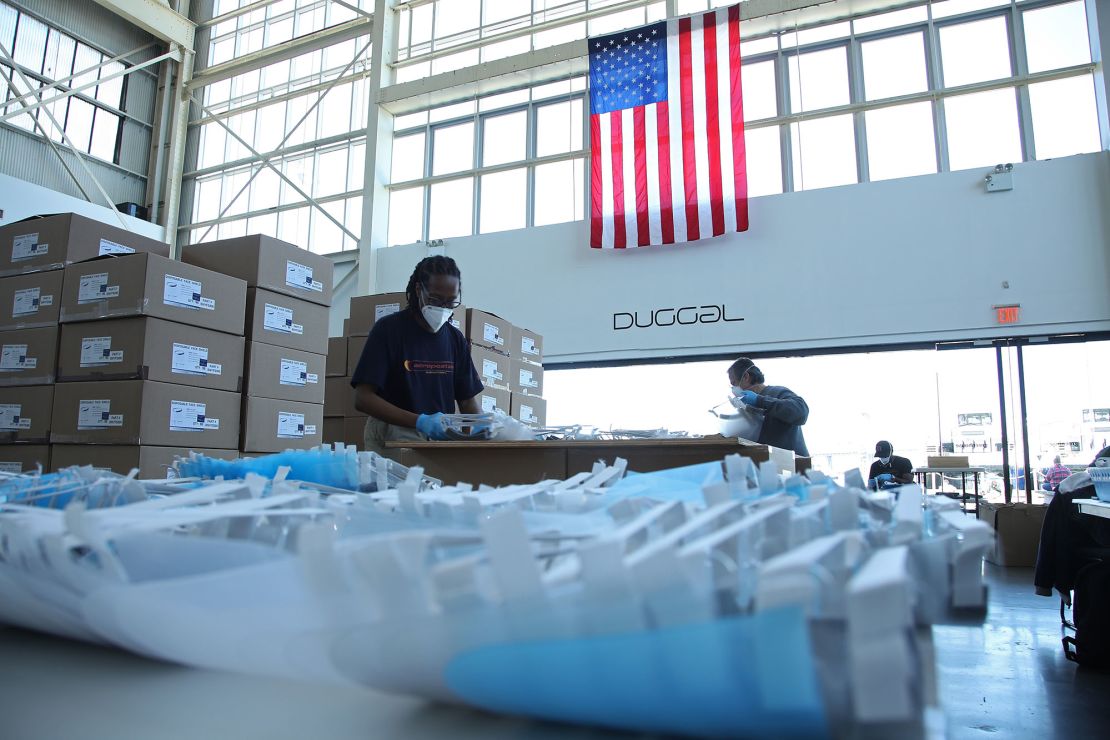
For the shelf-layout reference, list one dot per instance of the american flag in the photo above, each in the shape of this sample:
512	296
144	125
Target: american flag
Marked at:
667	132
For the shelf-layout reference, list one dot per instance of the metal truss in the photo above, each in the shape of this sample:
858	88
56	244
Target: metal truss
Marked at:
156	18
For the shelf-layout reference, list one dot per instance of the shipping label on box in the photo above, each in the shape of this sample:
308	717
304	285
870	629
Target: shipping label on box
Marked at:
97	414
107	246
186	293
527	378
27	302
28	246
191	359
493	368
489	330
290	425
14	357
54	241
267	263
280	319
12	419
529	409
527	345
367	310
97	352
189	416
495	399
294	372
30	300
300	276
95	287
28	356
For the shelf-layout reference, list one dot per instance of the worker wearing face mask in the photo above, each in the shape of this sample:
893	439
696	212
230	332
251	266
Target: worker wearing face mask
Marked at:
415	365
784	411
889	470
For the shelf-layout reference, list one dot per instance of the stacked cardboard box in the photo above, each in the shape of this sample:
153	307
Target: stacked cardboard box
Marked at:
342	421
33	253
528	403
150	356
289	290
508	359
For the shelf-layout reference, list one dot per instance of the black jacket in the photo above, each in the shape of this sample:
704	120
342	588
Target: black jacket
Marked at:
1069	540
784	413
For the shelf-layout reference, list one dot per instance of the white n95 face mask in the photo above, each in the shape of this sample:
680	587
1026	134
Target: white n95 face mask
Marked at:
884	460
436	316
737	390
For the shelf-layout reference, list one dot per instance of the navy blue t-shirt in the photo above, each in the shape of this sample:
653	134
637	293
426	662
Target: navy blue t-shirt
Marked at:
416	370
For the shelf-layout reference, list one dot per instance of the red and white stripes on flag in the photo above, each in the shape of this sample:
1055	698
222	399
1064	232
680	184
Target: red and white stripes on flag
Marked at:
674	170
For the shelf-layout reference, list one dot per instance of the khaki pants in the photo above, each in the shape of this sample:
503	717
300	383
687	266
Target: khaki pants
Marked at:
377	432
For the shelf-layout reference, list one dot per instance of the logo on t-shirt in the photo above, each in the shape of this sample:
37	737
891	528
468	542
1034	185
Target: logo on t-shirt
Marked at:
430	367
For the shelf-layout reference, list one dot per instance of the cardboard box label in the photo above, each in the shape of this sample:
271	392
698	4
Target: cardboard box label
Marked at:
528	379
14	357
386	309
527	414
294	373
98	351
489	404
310	429
455	323
528	346
489	331
186	294
29	301
97	414
489	369
300	276
11	467
107	246
188	416
95	287
10	418
190	359
278	318
291	425
26	246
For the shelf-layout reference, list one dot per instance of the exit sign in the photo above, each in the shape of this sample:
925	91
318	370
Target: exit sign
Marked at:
1007	314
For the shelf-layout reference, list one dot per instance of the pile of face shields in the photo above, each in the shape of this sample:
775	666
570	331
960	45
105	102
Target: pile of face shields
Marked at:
714	600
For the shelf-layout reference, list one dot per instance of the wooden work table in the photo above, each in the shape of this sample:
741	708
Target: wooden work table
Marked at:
506	463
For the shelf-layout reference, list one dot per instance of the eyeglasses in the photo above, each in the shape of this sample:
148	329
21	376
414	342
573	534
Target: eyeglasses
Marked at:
432	300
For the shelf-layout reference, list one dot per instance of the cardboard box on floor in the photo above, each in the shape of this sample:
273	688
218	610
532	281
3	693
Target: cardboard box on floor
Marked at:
146	348
488	330
527	345
152	462
28	356
25	413
526	378
24	458
268	263
337	357
947	461
271	425
150	285
53	241
287	322
495	399
494	368
140	412
31	300
1017	532
531	410
354	353
284	373
366	310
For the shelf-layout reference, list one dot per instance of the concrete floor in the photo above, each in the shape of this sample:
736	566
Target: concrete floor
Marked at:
1005	679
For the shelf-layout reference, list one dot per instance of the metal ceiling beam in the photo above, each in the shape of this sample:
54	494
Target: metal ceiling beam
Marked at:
156	18
279	53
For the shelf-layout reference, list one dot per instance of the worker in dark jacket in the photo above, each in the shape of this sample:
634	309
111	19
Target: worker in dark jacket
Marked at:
784	411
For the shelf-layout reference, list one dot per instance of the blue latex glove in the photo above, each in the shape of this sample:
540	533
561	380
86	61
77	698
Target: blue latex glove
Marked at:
432	426
748	397
884	478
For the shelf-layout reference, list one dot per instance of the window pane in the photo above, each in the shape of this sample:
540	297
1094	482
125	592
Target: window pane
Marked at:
331	173
265	190
232	229
894	66
982	129
451	209
503	201
293	226
408	158
502	10
900	141
891	20
451	62
819	80
272	130
975	52
559	128
956	7
1065	120
234	196
30	43
105	133
212	137
86	57
759	46
299	170
111	92
559	192
406	216
59	57
325	236
335	111
764	159
456	16
758	89
356	167
453	149
1056	37
207	199
79	125
504	138
824	152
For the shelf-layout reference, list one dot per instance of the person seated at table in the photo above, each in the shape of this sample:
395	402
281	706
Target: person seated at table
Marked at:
889	470
1069	539
415	366
1055	475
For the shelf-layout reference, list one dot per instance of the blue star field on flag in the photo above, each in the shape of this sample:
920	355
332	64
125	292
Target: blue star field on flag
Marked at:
628	69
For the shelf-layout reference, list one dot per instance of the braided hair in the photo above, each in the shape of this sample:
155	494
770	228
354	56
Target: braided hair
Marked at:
437	265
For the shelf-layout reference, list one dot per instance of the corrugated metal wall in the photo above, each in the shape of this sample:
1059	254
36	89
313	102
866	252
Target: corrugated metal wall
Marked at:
27	157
